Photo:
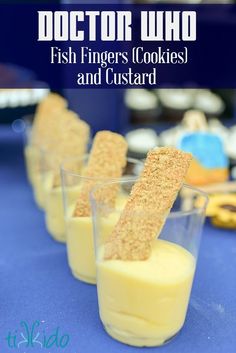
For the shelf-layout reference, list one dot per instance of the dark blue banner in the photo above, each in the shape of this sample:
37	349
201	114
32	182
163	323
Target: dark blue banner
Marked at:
108	46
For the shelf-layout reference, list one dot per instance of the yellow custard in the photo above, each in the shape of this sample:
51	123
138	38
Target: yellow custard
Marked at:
144	303
42	183
80	245
31	154
54	212
35	175
38	190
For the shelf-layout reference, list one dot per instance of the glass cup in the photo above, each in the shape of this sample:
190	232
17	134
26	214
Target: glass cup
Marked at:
38	162
30	151
28	156
52	186
52	190
34	160
144	303
79	230
42	179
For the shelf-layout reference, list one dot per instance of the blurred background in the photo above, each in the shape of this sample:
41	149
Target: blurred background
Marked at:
148	118
200	121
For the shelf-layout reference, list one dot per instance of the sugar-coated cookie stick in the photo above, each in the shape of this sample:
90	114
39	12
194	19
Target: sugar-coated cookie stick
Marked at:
106	160
46	118
70	139
150	201
51	103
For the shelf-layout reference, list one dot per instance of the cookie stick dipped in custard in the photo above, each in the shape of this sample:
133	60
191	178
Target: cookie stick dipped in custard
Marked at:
42	133
46	118
143	282
73	136
106	161
155	191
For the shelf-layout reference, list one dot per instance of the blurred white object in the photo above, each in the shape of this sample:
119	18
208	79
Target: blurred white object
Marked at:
199	99
142	140
208	102
195	120
140	99
176	98
230	143
12	98
3	99
216	127
171	136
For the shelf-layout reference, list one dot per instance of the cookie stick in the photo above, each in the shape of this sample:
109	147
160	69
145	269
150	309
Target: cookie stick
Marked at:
46	116
150	202
73	137
106	160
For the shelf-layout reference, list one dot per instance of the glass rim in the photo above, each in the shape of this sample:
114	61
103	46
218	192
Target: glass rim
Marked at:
172	214
103	180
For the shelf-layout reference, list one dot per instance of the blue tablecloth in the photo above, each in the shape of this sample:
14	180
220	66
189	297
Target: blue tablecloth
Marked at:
36	283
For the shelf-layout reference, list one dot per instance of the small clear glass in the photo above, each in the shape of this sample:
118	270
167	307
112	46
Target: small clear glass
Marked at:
54	210
79	230
30	151
34	160
52	188
144	303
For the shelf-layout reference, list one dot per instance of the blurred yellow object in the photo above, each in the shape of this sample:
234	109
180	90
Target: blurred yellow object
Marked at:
34	172
54	212
222	210
32	156
199	175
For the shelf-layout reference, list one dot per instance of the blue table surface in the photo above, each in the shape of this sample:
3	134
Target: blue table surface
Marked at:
36	283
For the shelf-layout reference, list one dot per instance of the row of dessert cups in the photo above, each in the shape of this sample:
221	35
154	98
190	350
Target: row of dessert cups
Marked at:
134	308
